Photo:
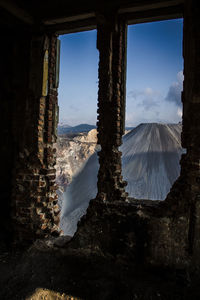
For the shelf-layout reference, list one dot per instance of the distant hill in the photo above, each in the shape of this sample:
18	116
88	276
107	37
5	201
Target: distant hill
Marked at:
64	125
64	129
129	128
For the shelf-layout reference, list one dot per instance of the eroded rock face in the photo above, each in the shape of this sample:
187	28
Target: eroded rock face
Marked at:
73	150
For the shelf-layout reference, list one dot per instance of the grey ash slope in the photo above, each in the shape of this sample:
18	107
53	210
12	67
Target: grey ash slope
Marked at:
82	189
150	159
150	164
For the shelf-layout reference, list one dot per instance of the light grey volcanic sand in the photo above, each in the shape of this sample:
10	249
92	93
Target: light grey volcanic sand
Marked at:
150	164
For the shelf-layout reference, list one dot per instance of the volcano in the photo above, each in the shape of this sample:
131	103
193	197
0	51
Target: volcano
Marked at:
150	164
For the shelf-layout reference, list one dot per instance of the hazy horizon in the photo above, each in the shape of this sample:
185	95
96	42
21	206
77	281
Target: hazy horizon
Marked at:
65	124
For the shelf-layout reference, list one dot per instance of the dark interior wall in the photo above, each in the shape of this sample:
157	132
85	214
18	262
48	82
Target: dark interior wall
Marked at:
191	120
14	57
28	121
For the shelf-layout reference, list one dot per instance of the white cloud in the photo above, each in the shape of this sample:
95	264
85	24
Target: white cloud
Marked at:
174	93
149	105
142	106
149	91
180	76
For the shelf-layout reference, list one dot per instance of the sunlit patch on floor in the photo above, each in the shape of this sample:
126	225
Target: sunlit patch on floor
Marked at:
44	294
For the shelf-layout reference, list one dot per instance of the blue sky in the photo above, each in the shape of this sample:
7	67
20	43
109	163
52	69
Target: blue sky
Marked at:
154	74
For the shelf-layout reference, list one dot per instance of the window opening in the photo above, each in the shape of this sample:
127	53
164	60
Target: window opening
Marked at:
77	136
151	147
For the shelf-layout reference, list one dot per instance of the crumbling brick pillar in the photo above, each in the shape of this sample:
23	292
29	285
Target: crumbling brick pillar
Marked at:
111	43
34	199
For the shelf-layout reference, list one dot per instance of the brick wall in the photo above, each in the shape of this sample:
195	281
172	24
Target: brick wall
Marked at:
34	200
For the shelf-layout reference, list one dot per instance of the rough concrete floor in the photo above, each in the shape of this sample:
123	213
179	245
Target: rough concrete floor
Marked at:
47	271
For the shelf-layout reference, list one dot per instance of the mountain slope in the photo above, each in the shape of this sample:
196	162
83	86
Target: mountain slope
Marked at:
150	159
150	164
